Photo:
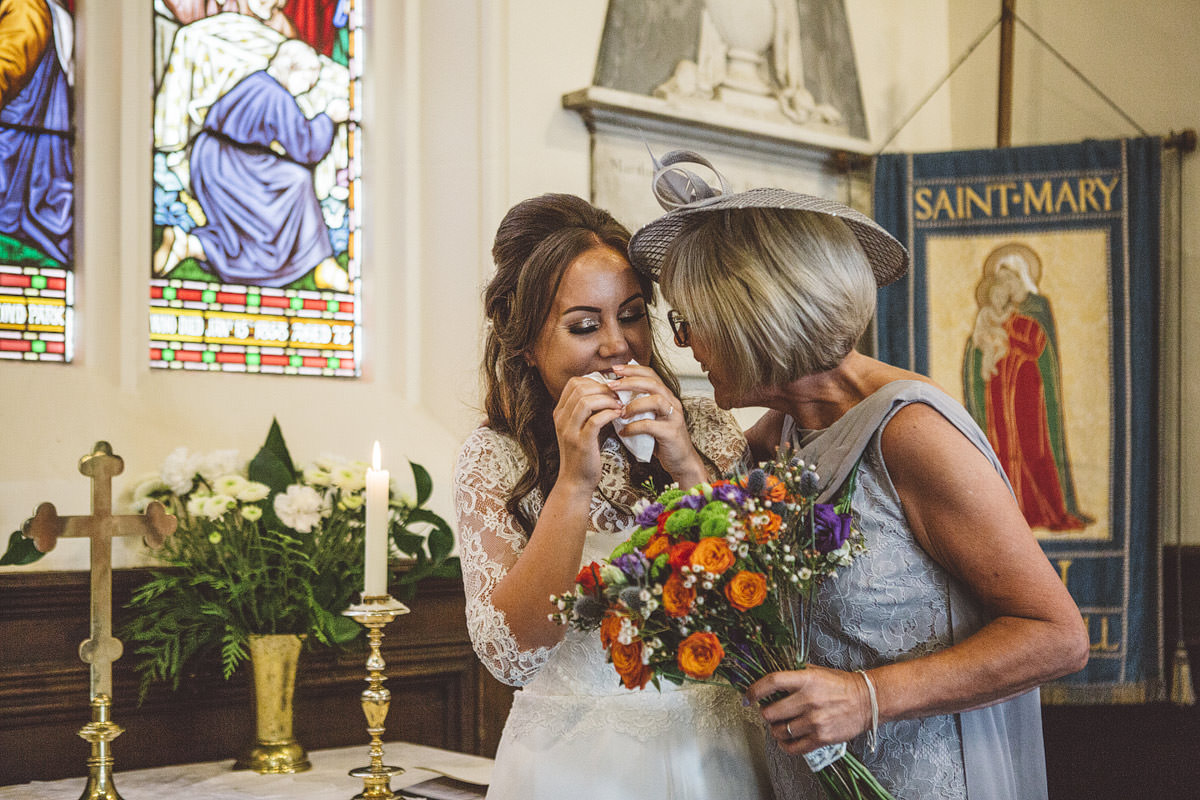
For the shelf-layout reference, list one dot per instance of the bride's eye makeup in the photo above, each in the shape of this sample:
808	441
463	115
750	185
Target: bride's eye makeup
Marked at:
584	326
632	312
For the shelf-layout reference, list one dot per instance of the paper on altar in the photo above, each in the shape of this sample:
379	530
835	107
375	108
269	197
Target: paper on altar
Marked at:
327	780
641	444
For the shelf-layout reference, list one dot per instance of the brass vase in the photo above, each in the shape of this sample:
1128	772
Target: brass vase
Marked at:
274	658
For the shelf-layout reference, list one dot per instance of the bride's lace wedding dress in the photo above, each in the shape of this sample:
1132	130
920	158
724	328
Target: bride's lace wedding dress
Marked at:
574	731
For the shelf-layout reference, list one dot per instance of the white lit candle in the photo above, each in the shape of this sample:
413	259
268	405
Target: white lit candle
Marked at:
376	555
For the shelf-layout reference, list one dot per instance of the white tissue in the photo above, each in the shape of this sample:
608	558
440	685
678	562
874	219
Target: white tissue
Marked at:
640	444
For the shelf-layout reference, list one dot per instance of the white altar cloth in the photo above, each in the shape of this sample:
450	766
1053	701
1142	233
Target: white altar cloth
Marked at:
216	780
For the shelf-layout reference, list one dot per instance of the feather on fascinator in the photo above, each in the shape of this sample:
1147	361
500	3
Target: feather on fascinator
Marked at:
684	194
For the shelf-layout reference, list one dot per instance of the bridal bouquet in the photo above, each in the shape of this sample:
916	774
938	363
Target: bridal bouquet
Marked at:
717	582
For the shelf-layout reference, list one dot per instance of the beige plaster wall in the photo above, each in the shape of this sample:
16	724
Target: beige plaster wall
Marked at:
463	119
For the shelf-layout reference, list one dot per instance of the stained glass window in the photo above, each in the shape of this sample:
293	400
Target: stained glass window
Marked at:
37	183
256	173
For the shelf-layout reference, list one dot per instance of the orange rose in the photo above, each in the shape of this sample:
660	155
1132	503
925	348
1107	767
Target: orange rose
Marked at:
627	660
765	526
677	599
746	590
774	489
610	629
712	555
657	545
700	654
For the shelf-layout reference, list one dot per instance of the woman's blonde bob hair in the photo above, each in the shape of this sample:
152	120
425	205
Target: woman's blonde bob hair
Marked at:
776	294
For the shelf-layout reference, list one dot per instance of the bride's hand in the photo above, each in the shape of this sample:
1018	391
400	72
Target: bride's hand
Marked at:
673	444
584	408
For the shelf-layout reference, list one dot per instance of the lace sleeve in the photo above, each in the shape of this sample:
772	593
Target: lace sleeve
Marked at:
490	541
717	436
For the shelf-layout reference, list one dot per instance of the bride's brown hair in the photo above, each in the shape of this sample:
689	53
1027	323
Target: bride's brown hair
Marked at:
536	241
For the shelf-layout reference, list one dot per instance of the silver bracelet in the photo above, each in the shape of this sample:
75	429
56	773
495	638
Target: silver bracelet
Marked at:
873	734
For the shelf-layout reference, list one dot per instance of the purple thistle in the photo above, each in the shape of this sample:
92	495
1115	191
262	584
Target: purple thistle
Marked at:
589	611
631	596
756	481
808	483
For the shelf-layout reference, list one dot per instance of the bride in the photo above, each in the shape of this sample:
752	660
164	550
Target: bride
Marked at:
545	486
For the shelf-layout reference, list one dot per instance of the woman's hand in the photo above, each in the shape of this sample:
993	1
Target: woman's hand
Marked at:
673	444
822	706
584	408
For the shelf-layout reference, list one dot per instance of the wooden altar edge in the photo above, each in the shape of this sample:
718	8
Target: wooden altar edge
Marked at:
441	694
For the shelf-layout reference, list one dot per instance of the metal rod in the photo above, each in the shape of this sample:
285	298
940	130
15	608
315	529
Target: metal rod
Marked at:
1008	13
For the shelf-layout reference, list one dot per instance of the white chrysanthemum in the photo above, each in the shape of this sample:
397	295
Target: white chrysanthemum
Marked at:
140	497
220	462
351	502
251	513
301	508
179	470
316	475
230	484
327	462
218	504
349	478
196	505
253	491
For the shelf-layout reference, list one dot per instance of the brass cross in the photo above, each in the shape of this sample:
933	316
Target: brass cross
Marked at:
45	528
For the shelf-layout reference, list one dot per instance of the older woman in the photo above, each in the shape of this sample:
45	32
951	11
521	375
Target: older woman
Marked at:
546	485
931	645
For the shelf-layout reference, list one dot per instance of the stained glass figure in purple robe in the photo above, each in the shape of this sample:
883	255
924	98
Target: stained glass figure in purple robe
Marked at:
36	172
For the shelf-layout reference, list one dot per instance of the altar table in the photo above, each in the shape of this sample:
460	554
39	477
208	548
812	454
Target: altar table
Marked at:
327	780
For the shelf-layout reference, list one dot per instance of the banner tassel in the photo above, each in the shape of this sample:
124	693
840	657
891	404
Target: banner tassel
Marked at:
1182	691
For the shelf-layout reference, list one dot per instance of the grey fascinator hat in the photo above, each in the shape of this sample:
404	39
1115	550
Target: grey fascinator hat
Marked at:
684	195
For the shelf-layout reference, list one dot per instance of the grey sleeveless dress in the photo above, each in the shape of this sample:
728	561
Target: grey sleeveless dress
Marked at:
895	603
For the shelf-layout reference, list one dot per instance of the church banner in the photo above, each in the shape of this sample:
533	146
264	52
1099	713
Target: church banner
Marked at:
1034	298
257	146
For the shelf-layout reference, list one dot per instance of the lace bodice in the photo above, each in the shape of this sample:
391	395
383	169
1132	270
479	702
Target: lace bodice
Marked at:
895	603
491	540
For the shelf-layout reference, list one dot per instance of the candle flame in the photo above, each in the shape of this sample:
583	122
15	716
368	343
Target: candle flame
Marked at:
375	456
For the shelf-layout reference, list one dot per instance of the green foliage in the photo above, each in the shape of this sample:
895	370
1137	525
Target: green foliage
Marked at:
268	549
20	551
422	537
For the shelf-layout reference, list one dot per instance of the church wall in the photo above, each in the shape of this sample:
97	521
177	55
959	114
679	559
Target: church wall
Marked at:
463	119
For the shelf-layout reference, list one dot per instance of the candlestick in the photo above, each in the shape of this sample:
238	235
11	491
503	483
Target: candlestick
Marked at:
375	554
373	614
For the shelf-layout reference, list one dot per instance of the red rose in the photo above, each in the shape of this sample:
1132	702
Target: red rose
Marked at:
680	554
589	579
